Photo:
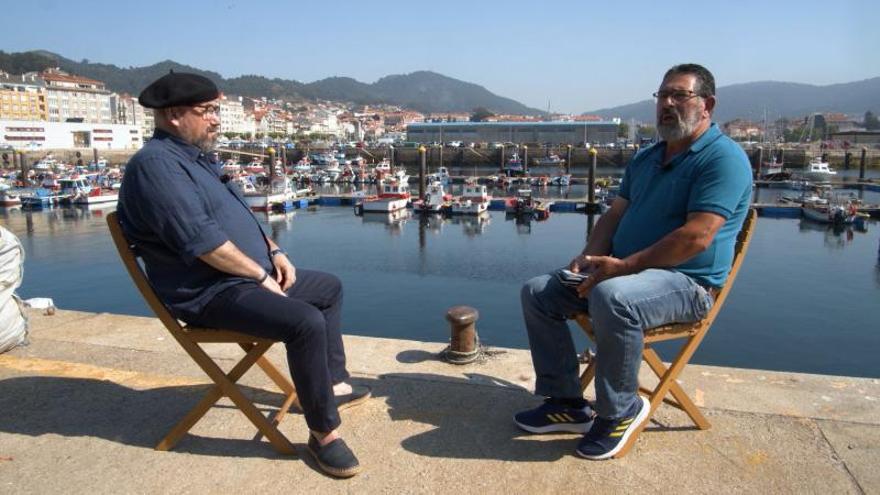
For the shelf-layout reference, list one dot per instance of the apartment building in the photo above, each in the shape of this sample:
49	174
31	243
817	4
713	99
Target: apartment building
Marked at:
22	98
73	98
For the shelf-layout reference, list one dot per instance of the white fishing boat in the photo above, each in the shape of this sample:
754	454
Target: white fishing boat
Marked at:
474	199
8	195
436	199
551	160
441	176
819	170
262	197
393	196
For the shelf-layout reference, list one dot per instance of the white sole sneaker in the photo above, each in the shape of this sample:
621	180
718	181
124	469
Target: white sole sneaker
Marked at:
634	426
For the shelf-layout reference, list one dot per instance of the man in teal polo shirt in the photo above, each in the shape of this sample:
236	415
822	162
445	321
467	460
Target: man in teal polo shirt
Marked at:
655	257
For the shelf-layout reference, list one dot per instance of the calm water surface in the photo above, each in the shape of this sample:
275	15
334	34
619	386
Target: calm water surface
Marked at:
807	298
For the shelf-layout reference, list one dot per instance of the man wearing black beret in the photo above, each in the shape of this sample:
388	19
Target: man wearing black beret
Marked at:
212	265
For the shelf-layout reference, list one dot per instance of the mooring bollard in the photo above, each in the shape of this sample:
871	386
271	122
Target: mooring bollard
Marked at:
464	346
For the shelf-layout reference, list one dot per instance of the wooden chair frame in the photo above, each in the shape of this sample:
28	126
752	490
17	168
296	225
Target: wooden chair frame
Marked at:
692	332
224	383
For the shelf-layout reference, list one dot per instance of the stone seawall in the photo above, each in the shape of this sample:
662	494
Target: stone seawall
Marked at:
483	158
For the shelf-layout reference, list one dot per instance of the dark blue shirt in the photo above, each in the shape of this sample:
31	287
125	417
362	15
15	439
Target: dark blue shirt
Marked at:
713	175
174	208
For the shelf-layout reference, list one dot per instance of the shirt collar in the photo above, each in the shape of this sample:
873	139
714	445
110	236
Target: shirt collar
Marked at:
188	149
707	138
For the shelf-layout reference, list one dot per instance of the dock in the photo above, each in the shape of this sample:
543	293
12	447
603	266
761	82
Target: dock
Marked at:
84	404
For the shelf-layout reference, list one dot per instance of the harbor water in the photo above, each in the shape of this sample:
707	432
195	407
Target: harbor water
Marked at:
807	298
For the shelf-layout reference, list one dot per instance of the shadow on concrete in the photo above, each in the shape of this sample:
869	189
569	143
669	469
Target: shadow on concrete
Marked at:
472	417
415	356
78	407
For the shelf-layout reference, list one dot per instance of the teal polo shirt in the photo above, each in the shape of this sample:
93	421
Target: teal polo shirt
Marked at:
713	175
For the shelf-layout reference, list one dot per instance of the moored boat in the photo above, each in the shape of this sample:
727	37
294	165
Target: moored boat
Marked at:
436	200
473	200
523	204
818	170
393	196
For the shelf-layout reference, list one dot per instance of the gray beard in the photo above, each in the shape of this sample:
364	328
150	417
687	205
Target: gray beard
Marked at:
677	131
206	145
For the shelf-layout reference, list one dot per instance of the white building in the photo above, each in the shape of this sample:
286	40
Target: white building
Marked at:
36	134
74	98
233	118
127	110
325	122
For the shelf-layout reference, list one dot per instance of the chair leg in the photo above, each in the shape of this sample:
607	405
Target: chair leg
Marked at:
210	398
588	375
283	382
684	402
225	385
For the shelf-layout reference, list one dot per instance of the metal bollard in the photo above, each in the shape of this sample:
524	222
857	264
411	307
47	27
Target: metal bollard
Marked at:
464	347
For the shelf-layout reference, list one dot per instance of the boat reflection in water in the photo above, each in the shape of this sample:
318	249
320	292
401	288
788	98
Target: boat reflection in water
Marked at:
837	236
394	220
472	225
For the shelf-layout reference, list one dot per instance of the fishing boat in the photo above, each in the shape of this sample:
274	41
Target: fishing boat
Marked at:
264	194
441	176
41	198
255	167
551	160
771	168
523	204
830	213
436	200
474	199
393	196
818	170
9	196
514	166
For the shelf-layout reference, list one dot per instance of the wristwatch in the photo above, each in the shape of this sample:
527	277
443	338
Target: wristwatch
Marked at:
277	251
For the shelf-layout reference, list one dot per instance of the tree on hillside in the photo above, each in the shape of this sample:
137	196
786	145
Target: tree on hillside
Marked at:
872	123
480	114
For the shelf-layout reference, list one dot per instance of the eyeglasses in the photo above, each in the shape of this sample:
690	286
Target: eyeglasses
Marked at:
678	95
207	111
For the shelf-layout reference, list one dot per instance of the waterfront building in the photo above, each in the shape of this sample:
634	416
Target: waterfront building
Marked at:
127	110
234	118
22	98
72	98
35	134
558	132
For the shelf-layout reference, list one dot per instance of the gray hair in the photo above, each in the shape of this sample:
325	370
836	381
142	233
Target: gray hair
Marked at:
705	81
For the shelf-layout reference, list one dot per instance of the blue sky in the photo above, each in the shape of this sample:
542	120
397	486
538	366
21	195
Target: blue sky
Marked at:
579	55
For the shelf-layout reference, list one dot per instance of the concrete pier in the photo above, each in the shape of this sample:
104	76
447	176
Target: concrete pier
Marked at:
83	405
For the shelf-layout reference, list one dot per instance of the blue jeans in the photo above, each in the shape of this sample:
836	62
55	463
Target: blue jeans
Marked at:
621	309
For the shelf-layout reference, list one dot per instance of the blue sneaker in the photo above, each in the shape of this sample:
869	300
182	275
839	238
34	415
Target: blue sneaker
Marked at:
608	436
553	416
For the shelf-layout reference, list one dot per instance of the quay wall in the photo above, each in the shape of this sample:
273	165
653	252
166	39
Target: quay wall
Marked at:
484	159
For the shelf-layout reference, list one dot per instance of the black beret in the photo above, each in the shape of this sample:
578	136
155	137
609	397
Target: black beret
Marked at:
178	89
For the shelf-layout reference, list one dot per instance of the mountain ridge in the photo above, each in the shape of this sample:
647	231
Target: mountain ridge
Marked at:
780	99
424	91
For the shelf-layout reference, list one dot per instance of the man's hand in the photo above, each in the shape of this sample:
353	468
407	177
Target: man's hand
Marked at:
285	272
273	286
598	268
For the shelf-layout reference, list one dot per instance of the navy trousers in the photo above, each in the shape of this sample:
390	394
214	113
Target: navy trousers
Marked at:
307	322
